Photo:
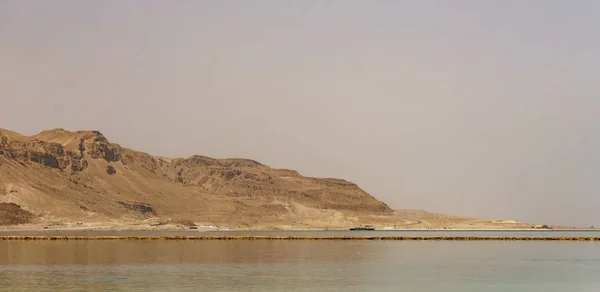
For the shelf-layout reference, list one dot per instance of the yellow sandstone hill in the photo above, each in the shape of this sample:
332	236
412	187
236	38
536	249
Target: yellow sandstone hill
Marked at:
80	180
64	176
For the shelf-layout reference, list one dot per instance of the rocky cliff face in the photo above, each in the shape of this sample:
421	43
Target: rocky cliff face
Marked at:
82	176
48	154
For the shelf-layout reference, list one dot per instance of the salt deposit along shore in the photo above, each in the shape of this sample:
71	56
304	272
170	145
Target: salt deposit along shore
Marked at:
400	238
200	227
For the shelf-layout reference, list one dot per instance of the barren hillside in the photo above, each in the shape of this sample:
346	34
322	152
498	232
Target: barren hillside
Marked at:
81	180
68	176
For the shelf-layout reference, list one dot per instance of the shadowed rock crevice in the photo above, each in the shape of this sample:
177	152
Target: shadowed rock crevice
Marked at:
111	170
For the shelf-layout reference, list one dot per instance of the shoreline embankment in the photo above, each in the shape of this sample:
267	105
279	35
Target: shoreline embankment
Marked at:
331	238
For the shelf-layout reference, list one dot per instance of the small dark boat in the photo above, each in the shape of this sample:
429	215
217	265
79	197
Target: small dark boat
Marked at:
362	228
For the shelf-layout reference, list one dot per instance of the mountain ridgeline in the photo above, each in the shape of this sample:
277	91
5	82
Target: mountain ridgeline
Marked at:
59	175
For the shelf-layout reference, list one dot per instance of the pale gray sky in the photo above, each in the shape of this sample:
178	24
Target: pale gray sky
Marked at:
479	108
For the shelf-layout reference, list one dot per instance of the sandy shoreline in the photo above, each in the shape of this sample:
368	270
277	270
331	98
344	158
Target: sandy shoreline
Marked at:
83	229
157	225
397	238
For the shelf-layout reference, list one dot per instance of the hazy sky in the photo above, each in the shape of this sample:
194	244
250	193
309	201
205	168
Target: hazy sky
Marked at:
478	108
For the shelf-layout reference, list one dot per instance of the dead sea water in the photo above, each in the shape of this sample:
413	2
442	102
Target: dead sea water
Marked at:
299	266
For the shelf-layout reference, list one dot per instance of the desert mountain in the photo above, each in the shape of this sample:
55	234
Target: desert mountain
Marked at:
64	176
81	180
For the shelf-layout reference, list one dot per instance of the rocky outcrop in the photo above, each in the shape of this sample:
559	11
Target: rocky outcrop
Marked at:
52	155
98	147
12	214
203	161
144	209
104	151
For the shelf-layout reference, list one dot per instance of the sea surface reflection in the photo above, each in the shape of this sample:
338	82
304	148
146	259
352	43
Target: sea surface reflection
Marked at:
298	266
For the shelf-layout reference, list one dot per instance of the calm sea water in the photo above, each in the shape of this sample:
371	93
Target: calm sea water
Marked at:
299	266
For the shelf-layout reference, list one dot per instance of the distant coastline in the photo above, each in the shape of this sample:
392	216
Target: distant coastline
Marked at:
318	238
